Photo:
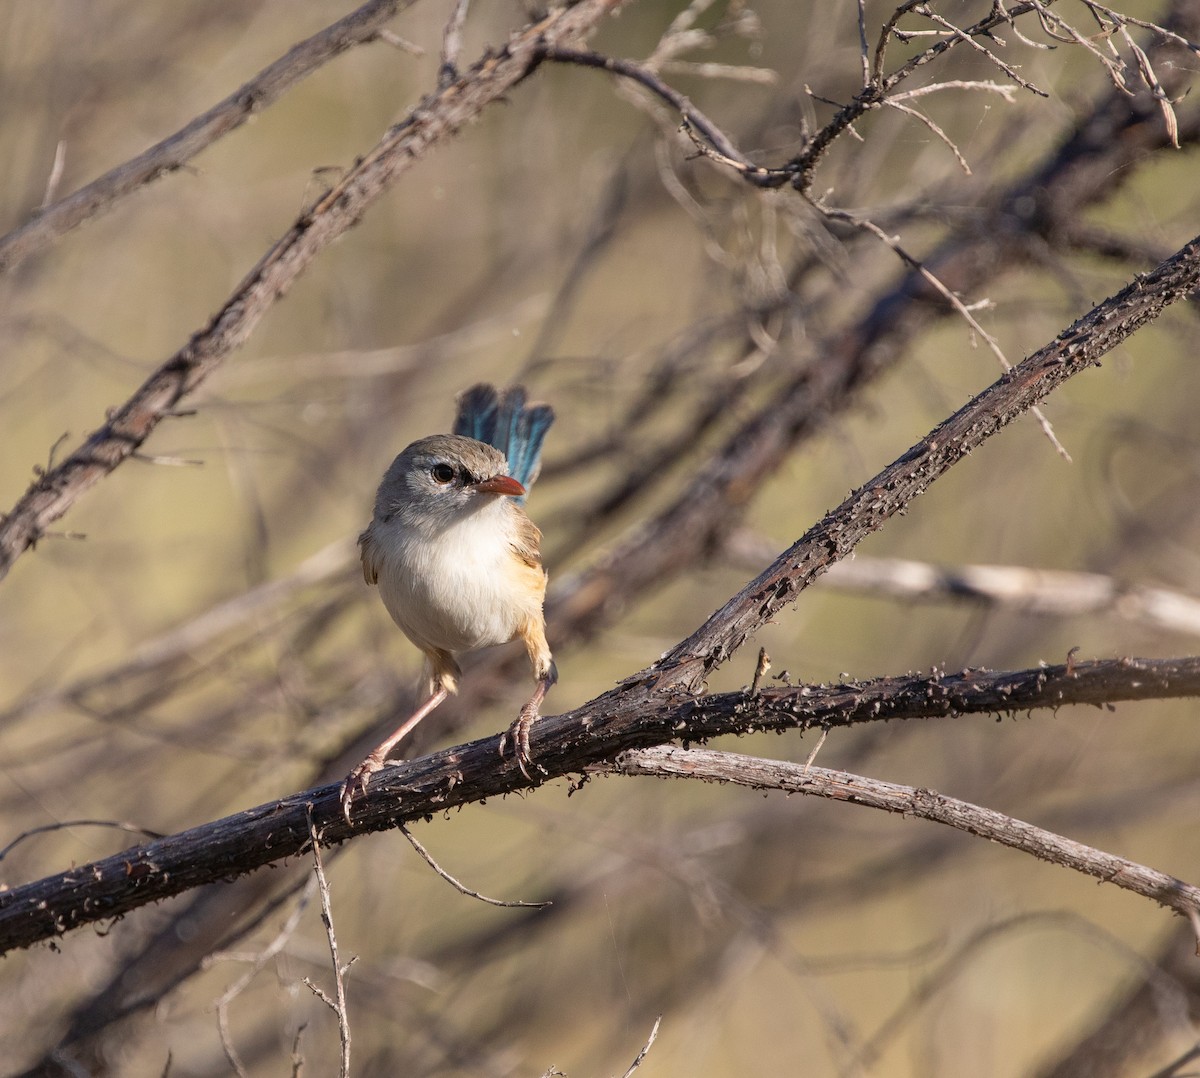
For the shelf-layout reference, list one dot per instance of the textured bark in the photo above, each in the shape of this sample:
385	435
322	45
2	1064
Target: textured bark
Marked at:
635	715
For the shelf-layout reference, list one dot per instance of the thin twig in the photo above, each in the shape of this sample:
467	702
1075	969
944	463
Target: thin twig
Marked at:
227	1046
948	295
969	39
460	887
637	1062
1151	80
932	125
864	47
1009	93
452	43
682	35
808	762
1061	30
645	77
338	1004
1162	31
258	962
761	668
885	35
1022	37
56	171
167	461
297	1055
390	37
118	825
799	171
760	76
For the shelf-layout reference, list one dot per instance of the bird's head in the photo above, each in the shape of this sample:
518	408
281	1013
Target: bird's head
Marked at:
443	478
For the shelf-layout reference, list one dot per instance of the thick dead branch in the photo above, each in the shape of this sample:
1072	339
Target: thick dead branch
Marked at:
626	718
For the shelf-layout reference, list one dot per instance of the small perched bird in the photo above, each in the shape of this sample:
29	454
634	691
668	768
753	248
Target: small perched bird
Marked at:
457	561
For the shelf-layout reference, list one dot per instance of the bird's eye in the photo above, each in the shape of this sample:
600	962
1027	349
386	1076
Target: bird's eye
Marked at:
442	473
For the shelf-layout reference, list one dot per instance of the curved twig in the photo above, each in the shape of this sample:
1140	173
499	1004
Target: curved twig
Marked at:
461	887
668	761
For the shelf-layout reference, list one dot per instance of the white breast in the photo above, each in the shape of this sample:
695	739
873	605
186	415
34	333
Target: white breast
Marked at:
457	591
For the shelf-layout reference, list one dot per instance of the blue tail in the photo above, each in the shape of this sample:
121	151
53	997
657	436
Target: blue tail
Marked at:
501	419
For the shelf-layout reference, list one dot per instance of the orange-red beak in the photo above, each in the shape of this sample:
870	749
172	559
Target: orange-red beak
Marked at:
501	484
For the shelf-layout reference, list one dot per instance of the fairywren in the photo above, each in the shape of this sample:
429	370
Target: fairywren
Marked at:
457	560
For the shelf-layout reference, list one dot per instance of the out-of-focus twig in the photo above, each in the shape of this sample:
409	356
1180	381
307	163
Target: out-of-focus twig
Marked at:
57	218
460	887
1043	592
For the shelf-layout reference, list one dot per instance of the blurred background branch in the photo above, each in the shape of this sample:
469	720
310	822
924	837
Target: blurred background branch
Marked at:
55	218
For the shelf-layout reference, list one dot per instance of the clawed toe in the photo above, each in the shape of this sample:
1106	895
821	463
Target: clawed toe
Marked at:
356	783
518	734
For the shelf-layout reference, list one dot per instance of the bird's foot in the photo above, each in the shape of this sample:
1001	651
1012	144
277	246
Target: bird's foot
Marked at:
356	782
518	734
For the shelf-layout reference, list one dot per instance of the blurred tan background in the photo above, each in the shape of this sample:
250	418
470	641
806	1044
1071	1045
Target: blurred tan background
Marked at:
570	241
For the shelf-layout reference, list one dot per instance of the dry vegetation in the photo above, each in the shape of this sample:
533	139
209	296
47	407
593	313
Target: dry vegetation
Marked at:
756	258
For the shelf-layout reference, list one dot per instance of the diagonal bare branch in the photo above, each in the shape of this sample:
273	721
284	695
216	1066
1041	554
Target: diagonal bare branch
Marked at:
435	118
58	218
1074	350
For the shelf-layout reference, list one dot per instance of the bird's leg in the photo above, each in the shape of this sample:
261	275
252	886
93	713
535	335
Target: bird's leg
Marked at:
518	732
356	781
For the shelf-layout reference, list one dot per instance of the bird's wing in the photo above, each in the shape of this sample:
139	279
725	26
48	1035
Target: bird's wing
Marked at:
369	552
526	539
